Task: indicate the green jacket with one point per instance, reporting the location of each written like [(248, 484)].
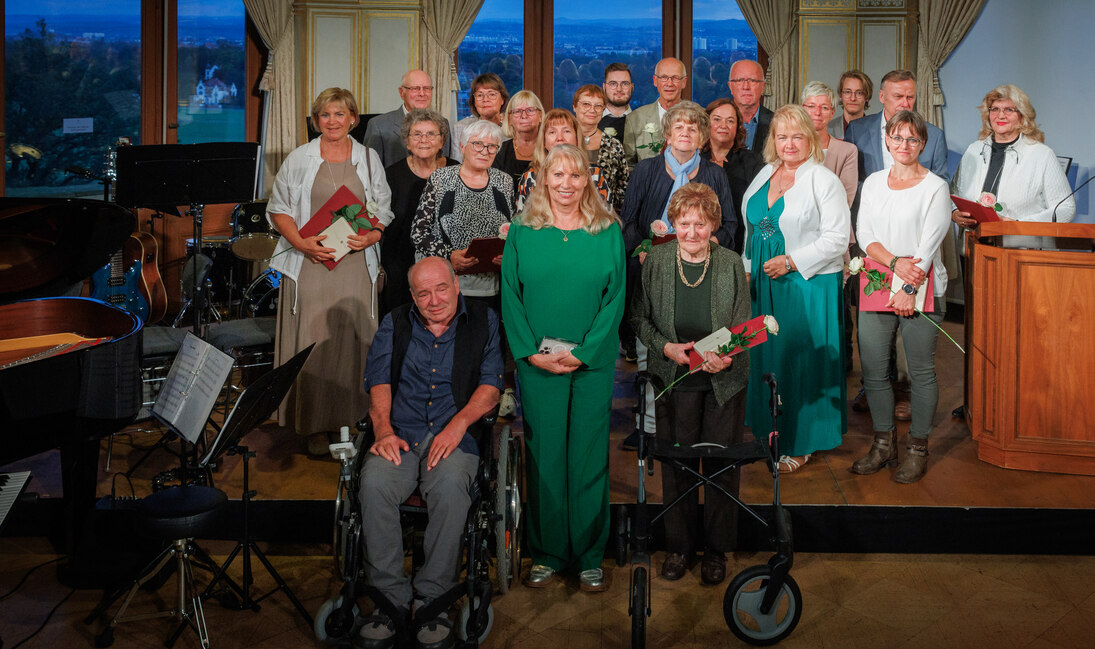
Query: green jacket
[(653, 308)]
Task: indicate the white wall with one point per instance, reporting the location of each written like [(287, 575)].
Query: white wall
[(1047, 48)]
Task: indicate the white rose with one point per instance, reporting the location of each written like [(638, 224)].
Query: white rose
[(610, 132), (659, 228), (371, 207), (771, 325), (650, 128), (855, 265)]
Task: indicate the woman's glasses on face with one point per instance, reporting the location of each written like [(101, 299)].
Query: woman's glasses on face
[(479, 147)]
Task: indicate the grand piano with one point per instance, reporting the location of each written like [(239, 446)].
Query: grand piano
[(69, 366)]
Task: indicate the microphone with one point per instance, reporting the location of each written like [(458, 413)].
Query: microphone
[(1070, 196)]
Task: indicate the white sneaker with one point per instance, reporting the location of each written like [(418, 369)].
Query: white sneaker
[(507, 404)]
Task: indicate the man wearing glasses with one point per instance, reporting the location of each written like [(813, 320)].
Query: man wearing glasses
[(854, 93), (618, 89), (643, 128), (383, 133), (747, 88)]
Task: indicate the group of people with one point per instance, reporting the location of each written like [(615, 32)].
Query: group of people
[(762, 210)]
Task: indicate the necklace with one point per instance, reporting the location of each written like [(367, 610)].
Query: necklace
[(680, 269), (589, 138), (341, 176)]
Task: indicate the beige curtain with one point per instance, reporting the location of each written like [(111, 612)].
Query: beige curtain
[(773, 22), (444, 25), (274, 20), (943, 25)]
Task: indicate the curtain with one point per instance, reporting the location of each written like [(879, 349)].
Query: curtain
[(773, 22), (444, 25), (943, 25), (274, 21)]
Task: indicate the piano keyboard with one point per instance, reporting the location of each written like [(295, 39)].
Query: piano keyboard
[(11, 487)]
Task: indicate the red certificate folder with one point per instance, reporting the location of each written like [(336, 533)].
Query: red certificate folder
[(976, 210), (721, 336), (877, 300), (485, 250), (323, 217), (657, 241)]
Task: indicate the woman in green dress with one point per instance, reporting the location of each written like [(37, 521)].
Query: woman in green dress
[(563, 279), (797, 226)]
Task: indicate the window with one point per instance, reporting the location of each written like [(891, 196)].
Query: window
[(720, 36), (589, 36), (495, 43), (71, 89), (211, 71)]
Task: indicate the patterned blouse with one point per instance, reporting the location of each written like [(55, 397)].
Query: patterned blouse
[(450, 215), (614, 168), (528, 182)]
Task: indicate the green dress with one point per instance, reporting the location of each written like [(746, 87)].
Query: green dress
[(567, 285), (806, 355)]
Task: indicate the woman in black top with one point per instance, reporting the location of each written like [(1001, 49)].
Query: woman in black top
[(424, 132), (727, 149), (522, 125)]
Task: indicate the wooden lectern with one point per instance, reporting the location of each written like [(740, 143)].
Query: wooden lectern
[(1030, 327)]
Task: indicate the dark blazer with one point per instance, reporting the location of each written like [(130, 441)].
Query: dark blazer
[(764, 122), (864, 133), (383, 134)]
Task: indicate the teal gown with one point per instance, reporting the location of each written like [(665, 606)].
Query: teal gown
[(806, 356)]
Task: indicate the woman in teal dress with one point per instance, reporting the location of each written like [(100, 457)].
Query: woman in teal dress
[(563, 278), (797, 226)]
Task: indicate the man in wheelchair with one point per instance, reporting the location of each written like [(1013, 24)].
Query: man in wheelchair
[(434, 369)]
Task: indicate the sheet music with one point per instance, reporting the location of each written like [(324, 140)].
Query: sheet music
[(11, 486), (192, 386)]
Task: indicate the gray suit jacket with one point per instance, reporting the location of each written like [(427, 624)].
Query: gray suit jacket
[(836, 125), (635, 133), (653, 309), (383, 135), (865, 134)]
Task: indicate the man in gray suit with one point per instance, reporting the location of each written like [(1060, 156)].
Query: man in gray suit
[(644, 125), (383, 133)]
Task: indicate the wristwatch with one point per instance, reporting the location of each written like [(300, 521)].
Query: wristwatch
[(909, 288)]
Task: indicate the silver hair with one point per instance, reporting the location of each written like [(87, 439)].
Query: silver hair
[(815, 88), (482, 130)]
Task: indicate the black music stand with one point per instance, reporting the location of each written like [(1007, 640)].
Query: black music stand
[(254, 406), (163, 176)]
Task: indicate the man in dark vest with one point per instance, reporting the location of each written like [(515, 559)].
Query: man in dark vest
[(434, 369)]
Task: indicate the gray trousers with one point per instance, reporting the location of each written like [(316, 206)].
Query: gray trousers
[(918, 336), (447, 489)]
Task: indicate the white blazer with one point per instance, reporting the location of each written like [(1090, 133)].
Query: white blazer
[(816, 223)]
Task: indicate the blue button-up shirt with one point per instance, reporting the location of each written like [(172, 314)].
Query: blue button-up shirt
[(423, 403), (751, 129)]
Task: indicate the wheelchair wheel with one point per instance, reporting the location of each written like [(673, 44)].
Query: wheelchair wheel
[(332, 624), (741, 607), (465, 623), (623, 523), (638, 608), (507, 507), (347, 536)]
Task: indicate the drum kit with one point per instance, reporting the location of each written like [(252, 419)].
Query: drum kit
[(240, 281)]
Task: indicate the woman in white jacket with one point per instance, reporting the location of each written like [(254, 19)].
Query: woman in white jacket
[(336, 309), (797, 226), (1010, 161)]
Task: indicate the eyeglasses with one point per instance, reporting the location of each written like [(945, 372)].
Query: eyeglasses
[(418, 88), (749, 81), (525, 112), (670, 77), (479, 147), (487, 95), (853, 93), (1008, 110), (821, 107), (588, 106), (911, 141), (428, 135), (618, 84)]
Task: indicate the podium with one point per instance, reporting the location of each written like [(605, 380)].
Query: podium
[(1030, 362)]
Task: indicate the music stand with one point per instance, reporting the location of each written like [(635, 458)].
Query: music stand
[(254, 406), (163, 176)]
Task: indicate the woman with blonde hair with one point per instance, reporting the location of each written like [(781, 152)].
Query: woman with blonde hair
[(562, 300), (797, 227), (521, 124), (559, 127)]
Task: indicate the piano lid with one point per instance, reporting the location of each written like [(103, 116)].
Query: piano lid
[(49, 244)]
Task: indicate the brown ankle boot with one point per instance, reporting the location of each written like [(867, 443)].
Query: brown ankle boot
[(915, 463), (883, 453)]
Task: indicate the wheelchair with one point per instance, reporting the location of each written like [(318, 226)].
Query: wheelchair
[(762, 604), (491, 537)]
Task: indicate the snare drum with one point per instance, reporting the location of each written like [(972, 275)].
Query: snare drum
[(254, 238)]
